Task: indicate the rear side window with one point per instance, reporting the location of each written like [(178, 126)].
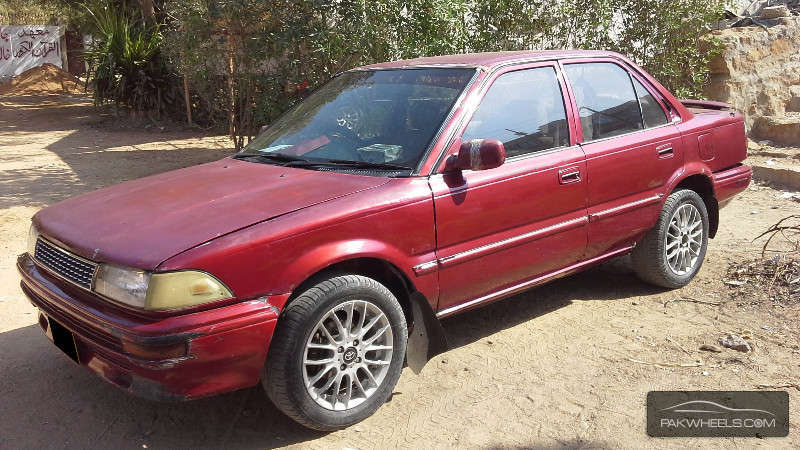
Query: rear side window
[(524, 110), (606, 100), (653, 113)]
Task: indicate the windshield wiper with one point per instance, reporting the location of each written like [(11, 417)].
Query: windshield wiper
[(353, 164), (295, 161), (277, 157)]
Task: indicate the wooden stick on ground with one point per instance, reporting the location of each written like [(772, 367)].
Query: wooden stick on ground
[(666, 364), (779, 386), (692, 300), (679, 346)]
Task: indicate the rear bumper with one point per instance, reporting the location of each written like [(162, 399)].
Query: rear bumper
[(225, 347), (730, 182)]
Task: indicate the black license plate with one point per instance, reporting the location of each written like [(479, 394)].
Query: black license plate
[(64, 339)]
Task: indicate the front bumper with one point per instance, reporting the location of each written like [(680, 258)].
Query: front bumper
[(225, 347)]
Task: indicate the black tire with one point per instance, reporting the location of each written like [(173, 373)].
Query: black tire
[(283, 377), (649, 257)]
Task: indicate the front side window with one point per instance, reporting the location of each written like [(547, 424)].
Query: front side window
[(524, 110), (606, 100), (376, 119)]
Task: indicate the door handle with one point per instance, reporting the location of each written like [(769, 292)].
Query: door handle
[(569, 175), (665, 151)]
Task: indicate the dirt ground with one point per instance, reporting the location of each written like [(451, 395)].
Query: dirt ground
[(549, 368)]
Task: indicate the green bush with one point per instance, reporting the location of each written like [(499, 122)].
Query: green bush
[(125, 66), (246, 61)]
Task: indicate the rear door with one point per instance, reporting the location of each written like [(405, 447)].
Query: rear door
[(632, 150), (500, 228)]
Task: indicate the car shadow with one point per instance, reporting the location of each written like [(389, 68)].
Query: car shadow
[(48, 401), (612, 280), (70, 407)]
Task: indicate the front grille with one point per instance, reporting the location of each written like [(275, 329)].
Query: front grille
[(65, 264)]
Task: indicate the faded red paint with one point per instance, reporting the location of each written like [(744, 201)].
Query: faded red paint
[(456, 237)]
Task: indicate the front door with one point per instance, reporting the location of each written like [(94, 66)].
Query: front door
[(499, 228)]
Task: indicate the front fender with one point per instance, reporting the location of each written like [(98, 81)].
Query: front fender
[(312, 261)]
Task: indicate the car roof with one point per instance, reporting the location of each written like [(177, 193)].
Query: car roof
[(489, 59)]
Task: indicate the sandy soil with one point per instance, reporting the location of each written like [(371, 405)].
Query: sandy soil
[(548, 368), (46, 79)]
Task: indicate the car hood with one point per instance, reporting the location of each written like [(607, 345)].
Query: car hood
[(143, 222)]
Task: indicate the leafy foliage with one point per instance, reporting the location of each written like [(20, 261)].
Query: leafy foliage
[(246, 61), (124, 60), (38, 12)]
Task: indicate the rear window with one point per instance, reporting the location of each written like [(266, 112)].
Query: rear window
[(607, 103), (652, 112)]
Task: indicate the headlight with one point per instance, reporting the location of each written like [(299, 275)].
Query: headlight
[(125, 285), (33, 236), (159, 291)]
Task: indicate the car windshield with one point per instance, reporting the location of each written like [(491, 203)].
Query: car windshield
[(372, 119)]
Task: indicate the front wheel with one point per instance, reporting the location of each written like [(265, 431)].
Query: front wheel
[(671, 253), (337, 352)]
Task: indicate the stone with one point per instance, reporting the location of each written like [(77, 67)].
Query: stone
[(793, 105), (784, 128), (773, 12), (735, 342), (755, 71)]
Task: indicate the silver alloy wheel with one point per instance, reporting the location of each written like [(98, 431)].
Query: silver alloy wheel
[(348, 354), (684, 239)]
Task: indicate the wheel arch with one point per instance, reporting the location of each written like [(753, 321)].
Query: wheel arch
[(703, 185), (378, 269), (426, 336)]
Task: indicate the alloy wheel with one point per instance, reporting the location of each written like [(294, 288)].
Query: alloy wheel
[(348, 354), (684, 239)]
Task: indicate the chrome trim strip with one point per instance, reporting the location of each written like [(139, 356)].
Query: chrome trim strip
[(526, 284), (483, 250), (624, 207), (426, 267)]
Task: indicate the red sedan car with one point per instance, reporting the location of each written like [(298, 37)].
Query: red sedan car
[(320, 258)]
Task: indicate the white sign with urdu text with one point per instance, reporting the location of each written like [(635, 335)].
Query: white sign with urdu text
[(25, 46)]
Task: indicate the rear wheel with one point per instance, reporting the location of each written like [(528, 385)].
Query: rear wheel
[(337, 352), (671, 253)]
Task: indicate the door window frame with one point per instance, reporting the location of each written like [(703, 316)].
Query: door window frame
[(633, 75), (476, 98)]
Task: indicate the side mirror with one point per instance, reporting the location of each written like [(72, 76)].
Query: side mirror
[(478, 154)]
